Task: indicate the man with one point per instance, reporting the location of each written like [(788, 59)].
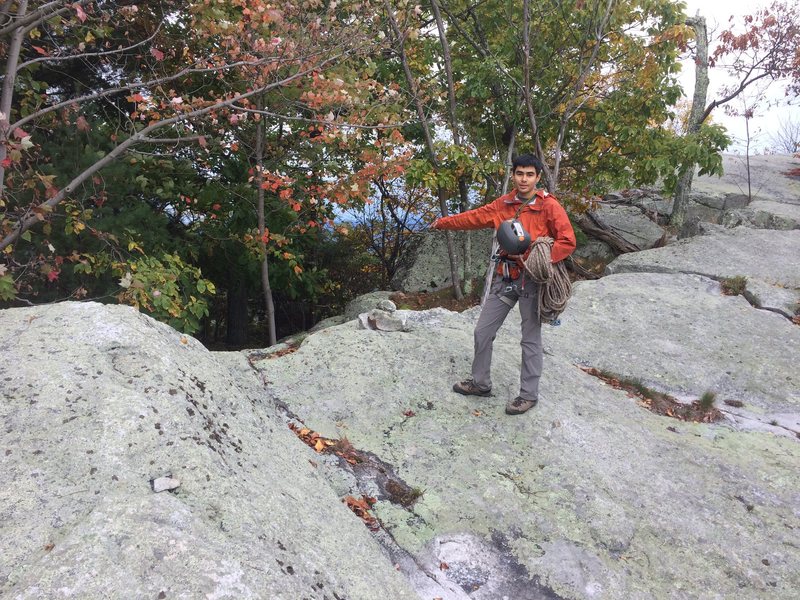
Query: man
[(541, 215)]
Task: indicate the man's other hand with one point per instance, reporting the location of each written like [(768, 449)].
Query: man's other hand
[(435, 224)]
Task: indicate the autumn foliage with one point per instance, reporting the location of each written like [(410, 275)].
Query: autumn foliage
[(195, 159)]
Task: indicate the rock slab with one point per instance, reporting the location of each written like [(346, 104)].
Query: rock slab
[(769, 259), (589, 495), (427, 267), (100, 400)]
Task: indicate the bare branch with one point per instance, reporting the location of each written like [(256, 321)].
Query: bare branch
[(50, 59), (344, 125), (139, 86), (177, 140), (46, 11)]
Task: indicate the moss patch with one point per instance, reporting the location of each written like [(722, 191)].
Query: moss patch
[(700, 411)]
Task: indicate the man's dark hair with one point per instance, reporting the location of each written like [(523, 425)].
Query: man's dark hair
[(527, 160)]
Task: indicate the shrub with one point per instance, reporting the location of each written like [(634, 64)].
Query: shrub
[(734, 286), (707, 400)]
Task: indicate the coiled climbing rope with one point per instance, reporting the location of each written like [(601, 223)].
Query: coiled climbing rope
[(555, 287)]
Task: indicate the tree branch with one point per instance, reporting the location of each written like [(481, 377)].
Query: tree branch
[(30, 20), (142, 136), (87, 54)]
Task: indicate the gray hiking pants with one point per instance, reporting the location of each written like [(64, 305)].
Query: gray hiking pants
[(493, 313)]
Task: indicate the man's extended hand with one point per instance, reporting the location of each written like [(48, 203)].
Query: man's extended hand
[(435, 224)]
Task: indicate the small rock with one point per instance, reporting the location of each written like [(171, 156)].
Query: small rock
[(380, 320), (387, 305), (162, 484)]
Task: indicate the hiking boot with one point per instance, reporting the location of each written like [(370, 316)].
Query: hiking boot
[(519, 405), (469, 388)]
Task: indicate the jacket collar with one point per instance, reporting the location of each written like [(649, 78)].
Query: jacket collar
[(534, 203)]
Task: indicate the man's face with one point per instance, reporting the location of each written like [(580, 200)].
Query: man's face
[(525, 180)]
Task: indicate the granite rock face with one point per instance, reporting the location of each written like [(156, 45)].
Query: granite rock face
[(769, 259), (589, 495), (138, 464), (97, 403), (770, 180), (427, 267), (630, 223)]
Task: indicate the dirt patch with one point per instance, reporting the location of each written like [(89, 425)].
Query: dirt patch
[(391, 487), (699, 411)]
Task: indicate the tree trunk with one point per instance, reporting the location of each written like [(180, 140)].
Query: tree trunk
[(451, 111), (7, 94), (487, 282), (597, 230), (526, 92), (440, 192), (747, 157), (269, 305), (696, 117)]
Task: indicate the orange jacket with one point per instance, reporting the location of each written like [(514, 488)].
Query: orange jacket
[(544, 216)]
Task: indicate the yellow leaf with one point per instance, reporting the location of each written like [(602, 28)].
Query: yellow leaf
[(319, 446)]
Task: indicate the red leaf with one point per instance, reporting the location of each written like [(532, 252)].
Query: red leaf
[(202, 141), (20, 133), (53, 275), (40, 50), (83, 124), (409, 413), (80, 12), (157, 54), (5, 163)]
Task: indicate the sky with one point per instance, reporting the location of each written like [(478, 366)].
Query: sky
[(767, 121)]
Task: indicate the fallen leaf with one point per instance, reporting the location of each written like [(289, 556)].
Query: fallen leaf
[(409, 413), (443, 566), (477, 413)]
